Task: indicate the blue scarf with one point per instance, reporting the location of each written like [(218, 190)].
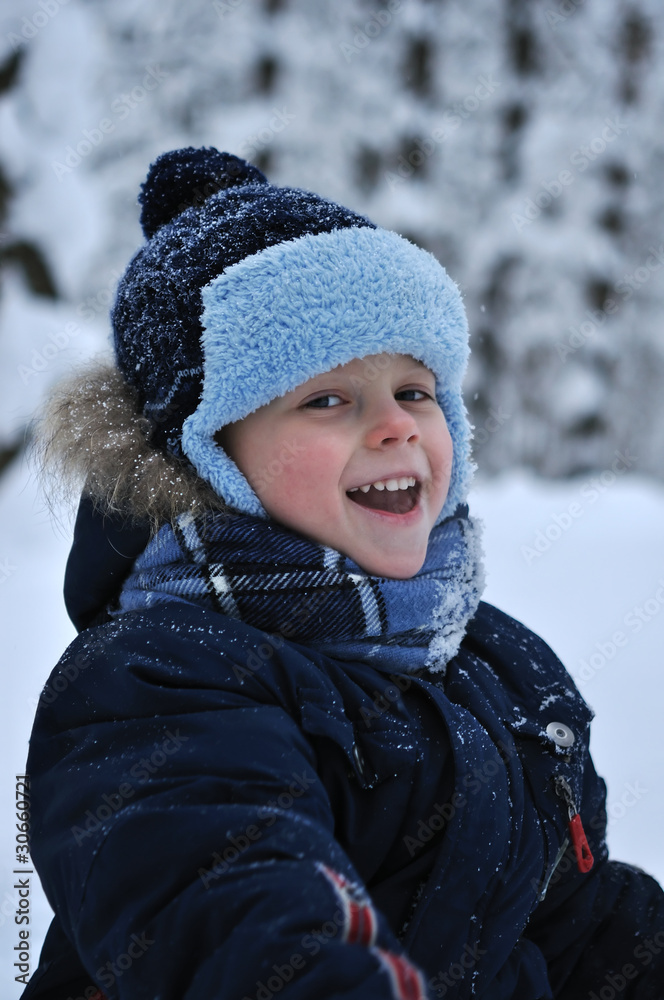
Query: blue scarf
[(283, 583)]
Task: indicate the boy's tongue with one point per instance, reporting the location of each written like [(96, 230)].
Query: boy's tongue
[(391, 501)]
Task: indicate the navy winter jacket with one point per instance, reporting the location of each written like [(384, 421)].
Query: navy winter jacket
[(219, 814)]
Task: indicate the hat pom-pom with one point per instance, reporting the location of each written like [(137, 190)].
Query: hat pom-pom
[(186, 177)]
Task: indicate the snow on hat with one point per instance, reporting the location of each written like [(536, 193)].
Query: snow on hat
[(245, 290)]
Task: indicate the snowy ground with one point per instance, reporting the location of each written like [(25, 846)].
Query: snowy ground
[(576, 561)]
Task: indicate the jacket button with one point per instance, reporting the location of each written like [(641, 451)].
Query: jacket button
[(561, 734)]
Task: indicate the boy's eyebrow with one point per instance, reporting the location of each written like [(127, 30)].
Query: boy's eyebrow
[(421, 367), (324, 380), (414, 366), (420, 370)]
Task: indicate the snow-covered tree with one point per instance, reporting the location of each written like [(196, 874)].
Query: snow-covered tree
[(519, 141)]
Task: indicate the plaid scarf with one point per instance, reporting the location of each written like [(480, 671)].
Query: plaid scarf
[(282, 583)]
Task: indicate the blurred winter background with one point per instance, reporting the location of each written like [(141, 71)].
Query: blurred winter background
[(518, 140)]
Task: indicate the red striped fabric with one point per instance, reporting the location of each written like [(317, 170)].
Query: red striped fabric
[(406, 981)]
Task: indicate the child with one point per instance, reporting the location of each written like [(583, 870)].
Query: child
[(291, 752)]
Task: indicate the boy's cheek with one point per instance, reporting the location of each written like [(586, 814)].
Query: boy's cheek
[(436, 490), (267, 467)]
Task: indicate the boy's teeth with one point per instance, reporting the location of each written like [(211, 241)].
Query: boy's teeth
[(388, 484)]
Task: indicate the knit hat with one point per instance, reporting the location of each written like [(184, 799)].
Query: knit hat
[(245, 290)]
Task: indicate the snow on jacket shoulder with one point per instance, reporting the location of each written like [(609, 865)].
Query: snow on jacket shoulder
[(220, 813)]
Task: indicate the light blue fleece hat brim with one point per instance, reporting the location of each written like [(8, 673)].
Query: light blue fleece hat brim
[(302, 307)]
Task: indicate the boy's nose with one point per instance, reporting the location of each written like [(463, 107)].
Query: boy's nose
[(389, 423)]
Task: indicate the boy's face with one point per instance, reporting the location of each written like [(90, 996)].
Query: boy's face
[(314, 456)]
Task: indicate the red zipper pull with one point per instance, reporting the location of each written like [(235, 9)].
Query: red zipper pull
[(584, 858)]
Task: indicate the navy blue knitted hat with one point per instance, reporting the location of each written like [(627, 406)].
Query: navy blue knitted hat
[(244, 290)]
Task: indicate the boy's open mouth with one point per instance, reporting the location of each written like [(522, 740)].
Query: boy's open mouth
[(394, 496)]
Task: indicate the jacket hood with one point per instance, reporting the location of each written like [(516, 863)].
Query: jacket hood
[(92, 435), (103, 551)]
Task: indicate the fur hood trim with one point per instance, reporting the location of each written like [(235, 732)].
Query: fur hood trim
[(92, 436)]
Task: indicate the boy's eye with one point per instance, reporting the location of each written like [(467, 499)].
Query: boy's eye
[(412, 395), (325, 401)]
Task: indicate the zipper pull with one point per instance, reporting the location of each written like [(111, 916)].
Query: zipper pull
[(584, 858)]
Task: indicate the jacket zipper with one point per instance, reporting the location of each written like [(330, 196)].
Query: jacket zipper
[(584, 858)]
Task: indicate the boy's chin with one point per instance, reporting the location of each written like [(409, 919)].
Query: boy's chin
[(392, 567), (398, 562), (405, 574)]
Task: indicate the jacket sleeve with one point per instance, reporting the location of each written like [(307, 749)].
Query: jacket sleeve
[(186, 842), (602, 932)]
